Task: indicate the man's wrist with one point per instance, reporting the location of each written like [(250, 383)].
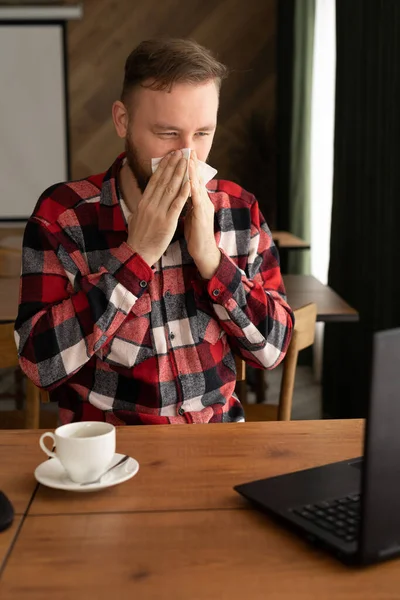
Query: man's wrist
[(146, 258), (208, 264)]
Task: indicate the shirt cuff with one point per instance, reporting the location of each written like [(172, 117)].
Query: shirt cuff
[(130, 269), (225, 282)]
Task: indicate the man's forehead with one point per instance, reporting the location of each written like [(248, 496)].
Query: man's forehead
[(185, 106), (200, 95), (164, 126)]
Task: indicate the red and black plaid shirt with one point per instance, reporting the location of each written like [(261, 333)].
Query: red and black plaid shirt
[(113, 339)]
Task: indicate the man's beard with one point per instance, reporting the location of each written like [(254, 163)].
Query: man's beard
[(141, 175)]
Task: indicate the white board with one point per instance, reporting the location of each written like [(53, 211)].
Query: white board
[(33, 145)]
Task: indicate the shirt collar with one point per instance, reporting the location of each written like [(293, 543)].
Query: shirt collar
[(111, 214)]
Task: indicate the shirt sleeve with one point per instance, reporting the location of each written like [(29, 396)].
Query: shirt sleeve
[(66, 314), (250, 303)]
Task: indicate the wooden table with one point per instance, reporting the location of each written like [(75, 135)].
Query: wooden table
[(178, 530), (303, 289), (19, 457), (288, 241)]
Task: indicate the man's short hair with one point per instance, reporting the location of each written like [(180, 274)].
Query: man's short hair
[(160, 63)]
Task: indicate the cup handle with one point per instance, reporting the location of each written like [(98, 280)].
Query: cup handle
[(44, 447)]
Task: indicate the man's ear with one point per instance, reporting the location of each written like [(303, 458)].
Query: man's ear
[(120, 117)]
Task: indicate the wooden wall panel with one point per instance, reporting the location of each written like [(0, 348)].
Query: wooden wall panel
[(242, 35)]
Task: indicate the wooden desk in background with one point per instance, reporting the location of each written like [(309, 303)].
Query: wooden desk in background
[(287, 241), (10, 234), (12, 242), (11, 237), (177, 529), (9, 294), (301, 289)]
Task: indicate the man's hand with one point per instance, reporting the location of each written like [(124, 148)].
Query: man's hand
[(153, 223), (199, 226)]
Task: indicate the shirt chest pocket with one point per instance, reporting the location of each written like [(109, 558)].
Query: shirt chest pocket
[(208, 328)]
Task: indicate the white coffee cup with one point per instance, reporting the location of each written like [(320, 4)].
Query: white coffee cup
[(84, 449)]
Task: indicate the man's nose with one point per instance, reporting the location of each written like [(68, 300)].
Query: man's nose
[(179, 144), (186, 141)]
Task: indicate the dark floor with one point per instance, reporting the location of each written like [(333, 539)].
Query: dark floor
[(306, 396)]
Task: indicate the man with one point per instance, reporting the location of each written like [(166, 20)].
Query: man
[(134, 296)]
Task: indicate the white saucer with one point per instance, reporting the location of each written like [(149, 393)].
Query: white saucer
[(52, 474)]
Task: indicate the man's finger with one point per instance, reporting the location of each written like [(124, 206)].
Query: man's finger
[(194, 183), (179, 202), (155, 188), (170, 184)]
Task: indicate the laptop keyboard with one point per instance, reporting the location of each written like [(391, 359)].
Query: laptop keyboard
[(341, 517)]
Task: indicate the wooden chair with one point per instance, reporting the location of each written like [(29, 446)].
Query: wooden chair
[(303, 337), (10, 266), (30, 417)]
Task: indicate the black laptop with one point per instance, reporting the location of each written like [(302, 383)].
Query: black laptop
[(350, 508)]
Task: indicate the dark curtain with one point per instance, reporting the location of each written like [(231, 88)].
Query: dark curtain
[(284, 70), (300, 166), (365, 246), (295, 45)]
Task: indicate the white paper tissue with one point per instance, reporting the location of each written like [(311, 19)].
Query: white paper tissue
[(206, 172)]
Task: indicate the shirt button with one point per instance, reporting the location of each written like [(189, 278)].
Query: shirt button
[(215, 293), (143, 284), (171, 336), (167, 294), (181, 411)]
